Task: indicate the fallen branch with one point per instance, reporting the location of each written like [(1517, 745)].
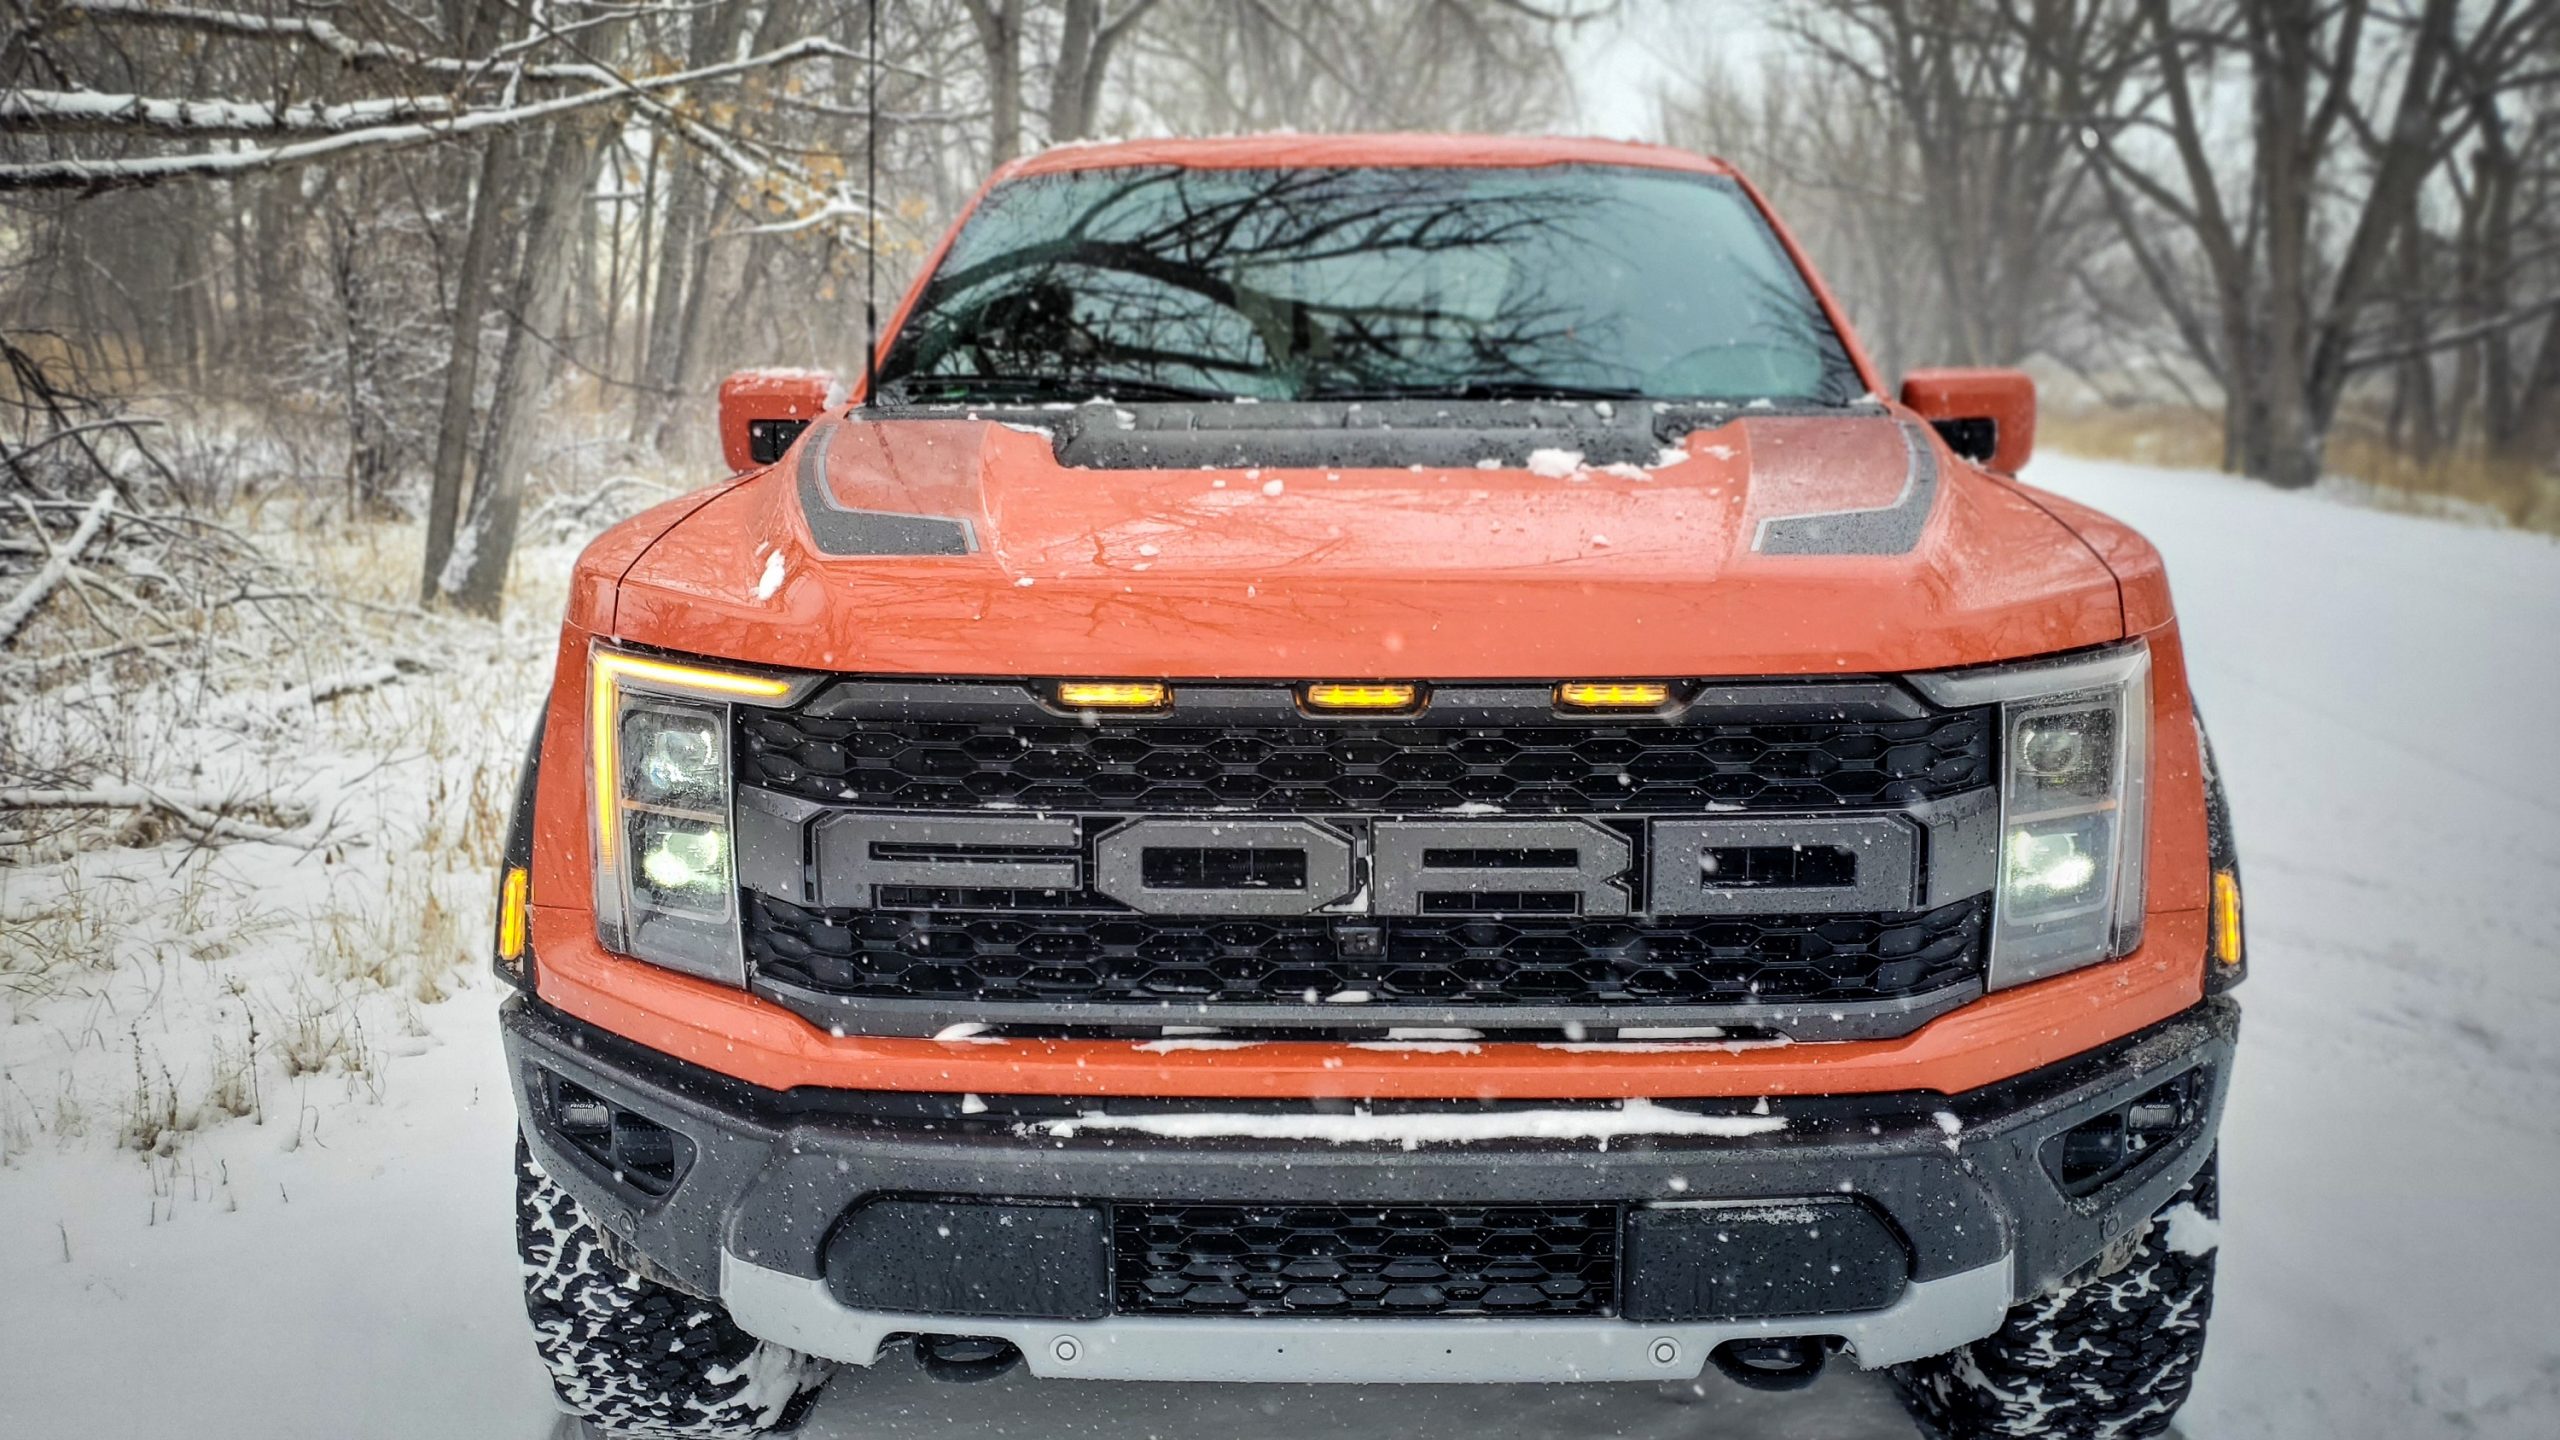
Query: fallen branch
[(29, 596), (93, 654), (198, 809), (68, 431), (372, 677)]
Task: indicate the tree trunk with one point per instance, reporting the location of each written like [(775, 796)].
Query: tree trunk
[(999, 27), (687, 236), (2537, 434), (1086, 39), (2282, 34), (462, 372), (476, 575)]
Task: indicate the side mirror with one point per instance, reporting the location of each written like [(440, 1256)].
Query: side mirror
[(763, 411), (1986, 416)]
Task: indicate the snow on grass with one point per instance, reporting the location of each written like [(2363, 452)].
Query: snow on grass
[(152, 983), (2379, 688), (313, 1236), (252, 1119)]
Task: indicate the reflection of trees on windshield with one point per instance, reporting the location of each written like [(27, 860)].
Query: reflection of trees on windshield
[(1286, 284)]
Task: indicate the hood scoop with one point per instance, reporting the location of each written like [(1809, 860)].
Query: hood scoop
[(898, 525)]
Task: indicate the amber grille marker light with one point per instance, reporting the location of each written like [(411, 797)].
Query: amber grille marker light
[(1612, 694), (2226, 917), (1113, 695), (1333, 696)]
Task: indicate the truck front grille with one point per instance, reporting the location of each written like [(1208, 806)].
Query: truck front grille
[(1582, 767), (1513, 1260), (1802, 857), (1072, 959)]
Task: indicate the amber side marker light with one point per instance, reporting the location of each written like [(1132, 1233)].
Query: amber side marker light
[(511, 914), (1330, 696), (1612, 695), (1113, 695), (2226, 917)]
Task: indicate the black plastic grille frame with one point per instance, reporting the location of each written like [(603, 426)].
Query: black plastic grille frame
[(1516, 1260), (1579, 766), (1457, 961)]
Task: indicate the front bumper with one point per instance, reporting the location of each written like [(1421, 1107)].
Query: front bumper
[(754, 1204)]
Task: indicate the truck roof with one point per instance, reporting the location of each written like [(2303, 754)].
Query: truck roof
[(1238, 152)]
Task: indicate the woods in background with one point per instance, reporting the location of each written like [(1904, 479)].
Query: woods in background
[(394, 238), (403, 229), (2270, 208)]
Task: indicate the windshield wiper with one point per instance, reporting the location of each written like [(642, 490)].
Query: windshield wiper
[(1036, 389)]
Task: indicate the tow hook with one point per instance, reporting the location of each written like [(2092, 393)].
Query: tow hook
[(1789, 1364), (965, 1359)]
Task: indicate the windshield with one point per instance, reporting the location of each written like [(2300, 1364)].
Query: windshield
[(1310, 284)]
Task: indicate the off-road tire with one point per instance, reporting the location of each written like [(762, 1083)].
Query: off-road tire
[(2108, 1359), (631, 1355)]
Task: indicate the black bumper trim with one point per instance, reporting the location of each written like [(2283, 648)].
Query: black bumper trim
[(1959, 1178)]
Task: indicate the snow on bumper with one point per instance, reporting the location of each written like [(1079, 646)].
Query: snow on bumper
[(1967, 1211)]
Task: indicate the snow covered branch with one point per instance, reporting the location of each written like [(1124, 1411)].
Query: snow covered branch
[(109, 174), (207, 814), (56, 566), (319, 34), (90, 112)]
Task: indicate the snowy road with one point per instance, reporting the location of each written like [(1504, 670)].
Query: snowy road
[(2381, 688)]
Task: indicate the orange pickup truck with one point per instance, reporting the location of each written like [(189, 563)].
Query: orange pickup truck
[(1371, 759)]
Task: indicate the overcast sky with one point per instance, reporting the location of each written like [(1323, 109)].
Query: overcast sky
[(1620, 64)]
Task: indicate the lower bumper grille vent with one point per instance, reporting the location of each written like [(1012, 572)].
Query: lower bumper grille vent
[(1516, 1260)]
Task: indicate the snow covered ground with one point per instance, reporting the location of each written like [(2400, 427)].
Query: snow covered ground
[(336, 1261)]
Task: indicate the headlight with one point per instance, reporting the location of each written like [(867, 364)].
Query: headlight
[(2075, 745), (659, 732)]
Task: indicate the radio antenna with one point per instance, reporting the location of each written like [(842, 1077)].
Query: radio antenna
[(871, 225)]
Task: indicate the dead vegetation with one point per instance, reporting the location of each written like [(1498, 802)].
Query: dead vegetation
[(2467, 484), (250, 793)]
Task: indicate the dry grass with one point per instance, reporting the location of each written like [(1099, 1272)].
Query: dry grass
[(2463, 485), (2176, 437), (155, 981)]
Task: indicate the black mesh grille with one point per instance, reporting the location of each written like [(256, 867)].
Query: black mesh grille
[(1521, 960), (1327, 1260), (1405, 769)]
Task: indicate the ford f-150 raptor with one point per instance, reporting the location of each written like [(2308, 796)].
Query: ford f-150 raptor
[(1371, 759)]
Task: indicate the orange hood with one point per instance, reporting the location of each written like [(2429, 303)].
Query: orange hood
[(1769, 545)]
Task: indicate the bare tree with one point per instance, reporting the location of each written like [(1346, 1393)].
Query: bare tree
[(2352, 107), (1090, 32), (1990, 185), (1225, 66), (475, 574), (100, 97)]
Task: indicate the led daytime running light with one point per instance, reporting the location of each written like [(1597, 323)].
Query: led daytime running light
[(607, 669)]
